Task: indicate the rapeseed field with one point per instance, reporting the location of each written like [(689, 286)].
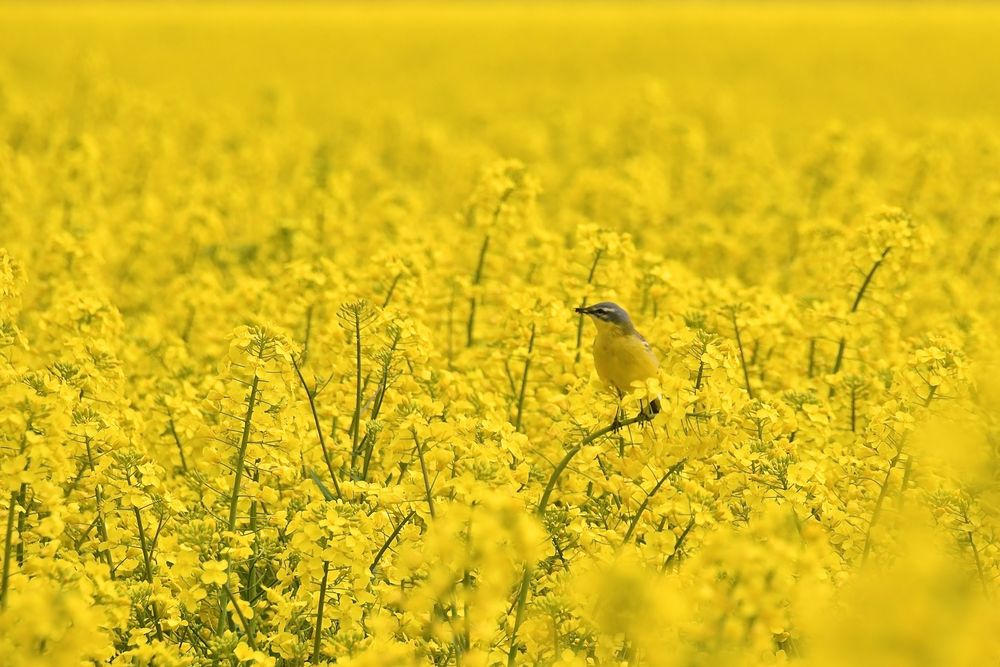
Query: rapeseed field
[(290, 372)]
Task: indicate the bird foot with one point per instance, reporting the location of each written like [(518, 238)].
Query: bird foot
[(617, 423)]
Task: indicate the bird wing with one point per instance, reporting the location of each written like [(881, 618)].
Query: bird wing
[(645, 343)]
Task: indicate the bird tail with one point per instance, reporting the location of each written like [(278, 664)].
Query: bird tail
[(654, 407)]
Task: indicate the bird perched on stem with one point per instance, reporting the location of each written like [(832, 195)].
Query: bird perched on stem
[(621, 355)]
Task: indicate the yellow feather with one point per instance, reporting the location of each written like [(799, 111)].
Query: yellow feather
[(622, 356)]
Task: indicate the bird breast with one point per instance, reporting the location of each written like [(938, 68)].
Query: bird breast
[(623, 358)]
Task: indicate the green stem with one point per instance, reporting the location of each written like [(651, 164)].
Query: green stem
[(243, 619), (308, 333), (244, 440), (21, 518), (477, 278), (642, 508), (319, 429), (930, 395), (356, 421), (319, 611), (177, 440), (148, 568), (678, 544), (854, 408), (8, 539), (907, 469), (384, 380), (423, 471), (743, 359), (188, 325), (451, 330), (979, 564), (237, 482), (147, 557), (522, 599), (854, 307), (358, 391), (524, 379), (522, 595), (544, 501), (389, 540), (379, 399), (102, 528), (883, 491), (392, 288), (369, 450), (253, 574)]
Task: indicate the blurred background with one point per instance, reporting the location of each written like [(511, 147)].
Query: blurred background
[(780, 63)]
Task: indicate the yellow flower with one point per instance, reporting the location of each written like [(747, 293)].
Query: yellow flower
[(244, 653), (190, 597), (214, 572)]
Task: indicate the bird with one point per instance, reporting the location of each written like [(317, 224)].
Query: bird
[(621, 355)]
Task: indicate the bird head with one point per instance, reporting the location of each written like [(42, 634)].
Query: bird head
[(607, 314)]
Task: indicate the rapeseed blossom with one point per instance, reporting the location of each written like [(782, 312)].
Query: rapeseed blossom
[(290, 373)]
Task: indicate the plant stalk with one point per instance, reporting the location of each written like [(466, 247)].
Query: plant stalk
[(854, 307), (423, 471), (524, 379), (244, 440), (477, 278), (319, 611), (543, 502), (8, 539), (642, 507), (319, 429), (743, 359)]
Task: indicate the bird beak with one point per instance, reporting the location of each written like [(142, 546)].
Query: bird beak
[(582, 311)]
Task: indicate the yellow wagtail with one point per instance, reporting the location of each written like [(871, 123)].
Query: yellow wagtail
[(621, 355)]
